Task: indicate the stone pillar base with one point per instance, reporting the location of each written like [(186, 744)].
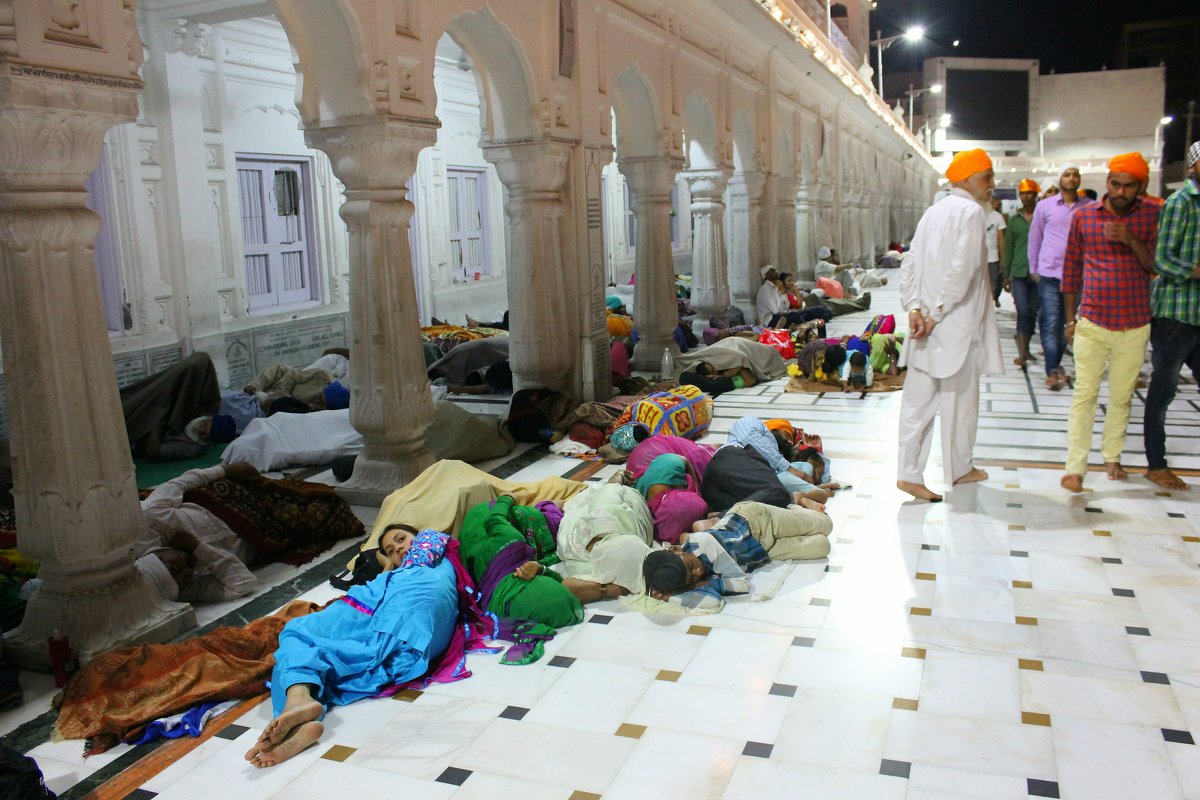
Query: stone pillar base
[(164, 628)]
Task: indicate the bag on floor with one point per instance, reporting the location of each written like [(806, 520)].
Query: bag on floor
[(780, 340), (20, 778), (880, 323)]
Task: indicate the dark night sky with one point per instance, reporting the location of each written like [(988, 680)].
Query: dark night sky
[(1065, 35)]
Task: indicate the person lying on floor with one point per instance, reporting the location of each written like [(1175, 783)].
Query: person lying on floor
[(885, 353), (714, 382), (737, 473), (605, 534), (471, 356), (379, 634), (776, 450), (671, 488), (749, 535), (497, 377), (856, 372), (208, 526), (157, 408), (239, 409)]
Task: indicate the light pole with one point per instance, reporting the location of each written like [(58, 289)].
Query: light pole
[(912, 93), (1162, 123), (1051, 126), (913, 34)]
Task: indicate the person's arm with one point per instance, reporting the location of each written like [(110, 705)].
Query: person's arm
[(1006, 253), (498, 522), (218, 576), (968, 247), (1172, 233), (1036, 226), (870, 373), (1072, 278), (170, 494), (1000, 232), (1143, 251)]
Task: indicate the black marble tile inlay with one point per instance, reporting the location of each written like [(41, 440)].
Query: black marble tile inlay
[(456, 776), (783, 690), (1122, 592), (803, 641), (561, 661), (1019, 553), (1156, 677), (1135, 631), (514, 712), (833, 568), (1179, 737), (1090, 510), (931, 547), (896, 769), (232, 732), (1175, 514), (600, 619), (1110, 560), (1015, 505), (140, 794), (1040, 788), (758, 749), (820, 601)]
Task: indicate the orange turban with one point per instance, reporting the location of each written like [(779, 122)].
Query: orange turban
[(966, 164), (1131, 164), (1028, 186)]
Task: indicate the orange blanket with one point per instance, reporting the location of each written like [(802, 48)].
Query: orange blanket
[(118, 693)]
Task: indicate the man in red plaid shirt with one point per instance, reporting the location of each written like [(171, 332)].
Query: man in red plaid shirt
[(1106, 290)]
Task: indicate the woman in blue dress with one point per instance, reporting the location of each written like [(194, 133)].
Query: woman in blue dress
[(381, 633)]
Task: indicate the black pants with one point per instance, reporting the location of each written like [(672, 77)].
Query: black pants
[(740, 473), (1174, 344)]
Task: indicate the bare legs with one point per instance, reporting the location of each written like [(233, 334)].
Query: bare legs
[(295, 729)]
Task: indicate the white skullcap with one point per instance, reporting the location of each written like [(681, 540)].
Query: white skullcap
[(824, 252)]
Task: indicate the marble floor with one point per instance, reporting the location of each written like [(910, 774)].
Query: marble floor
[(1012, 642)]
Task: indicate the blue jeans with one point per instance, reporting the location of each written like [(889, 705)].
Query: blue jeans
[(1175, 344), (1050, 321), (1025, 296)]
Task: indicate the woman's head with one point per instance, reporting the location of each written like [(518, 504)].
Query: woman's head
[(394, 544), (835, 356)]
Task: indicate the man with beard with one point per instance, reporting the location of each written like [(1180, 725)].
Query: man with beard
[(1107, 270)]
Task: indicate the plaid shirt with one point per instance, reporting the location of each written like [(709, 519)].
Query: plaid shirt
[(1114, 289), (1176, 295)]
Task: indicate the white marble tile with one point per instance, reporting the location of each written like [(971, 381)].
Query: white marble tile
[(485, 786), (492, 682), (926, 782), (971, 686), (324, 779), (981, 599), (769, 779), (238, 780), (973, 745), (829, 669), (580, 760), (1179, 658), (592, 696), (1103, 760), (1078, 648), (1077, 607), (701, 766), (1170, 614), (658, 649), (972, 637), (836, 728), (737, 660), (1068, 573), (1150, 704), (749, 717)]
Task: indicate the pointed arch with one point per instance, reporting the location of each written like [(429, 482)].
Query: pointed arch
[(331, 61), (637, 115), (503, 75), (702, 149)]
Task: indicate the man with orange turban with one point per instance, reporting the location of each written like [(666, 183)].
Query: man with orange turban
[(1016, 269), (1107, 271), (952, 329)]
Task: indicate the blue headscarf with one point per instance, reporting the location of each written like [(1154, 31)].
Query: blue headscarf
[(223, 429), (336, 396), (426, 550), (613, 302)]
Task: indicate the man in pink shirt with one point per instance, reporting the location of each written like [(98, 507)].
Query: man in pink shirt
[(1047, 245)]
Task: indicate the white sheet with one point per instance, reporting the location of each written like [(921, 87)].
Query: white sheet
[(282, 440)]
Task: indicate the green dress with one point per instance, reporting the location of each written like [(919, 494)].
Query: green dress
[(486, 531)]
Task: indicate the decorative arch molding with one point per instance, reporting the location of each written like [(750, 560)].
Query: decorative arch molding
[(333, 82), (510, 109), (745, 154), (703, 149), (637, 115)]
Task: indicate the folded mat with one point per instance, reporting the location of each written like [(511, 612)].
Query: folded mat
[(880, 383)]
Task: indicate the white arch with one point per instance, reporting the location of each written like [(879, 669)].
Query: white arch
[(503, 74), (702, 150), (745, 156), (331, 67), (637, 115)]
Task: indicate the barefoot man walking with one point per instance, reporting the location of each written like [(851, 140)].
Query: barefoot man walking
[(952, 329)]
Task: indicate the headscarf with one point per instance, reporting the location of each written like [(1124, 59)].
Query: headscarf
[(664, 571), (674, 512), (669, 469), (336, 396), (613, 302), (1028, 185), (1131, 164), (966, 164), (625, 437), (824, 253), (1193, 154), (223, 430), (764, 269), (426, 549)]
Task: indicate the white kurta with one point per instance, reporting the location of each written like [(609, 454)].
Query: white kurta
[(946, 277)]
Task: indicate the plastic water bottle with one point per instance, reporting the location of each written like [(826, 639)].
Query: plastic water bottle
[(667, 367)]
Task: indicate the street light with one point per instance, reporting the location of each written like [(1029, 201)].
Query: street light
[(1162, 123), (913, 34), (1051, 126), (935, 89)]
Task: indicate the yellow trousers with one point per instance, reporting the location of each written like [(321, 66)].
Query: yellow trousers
[(1123, 353)]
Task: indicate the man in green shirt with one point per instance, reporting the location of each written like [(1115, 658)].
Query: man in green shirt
[(1015, 264), (1175, 315)]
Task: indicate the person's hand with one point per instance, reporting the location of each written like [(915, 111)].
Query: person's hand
[(832, 486), (528, 571), (657, 595), (1008, 286), (1117, 232), (930, 322), (181, 540), (509, 495), (845, 386), (241, 471), (1070, 332), (1033, 277)]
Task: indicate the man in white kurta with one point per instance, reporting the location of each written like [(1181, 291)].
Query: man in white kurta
[(953, 337)]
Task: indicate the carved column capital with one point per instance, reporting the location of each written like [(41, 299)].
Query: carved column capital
[(650, 177), (373, 155), (706, 185), (530, 167)]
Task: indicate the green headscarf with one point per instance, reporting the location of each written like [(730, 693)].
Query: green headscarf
[(669, 469)]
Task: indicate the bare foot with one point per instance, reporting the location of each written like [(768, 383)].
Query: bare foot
[(1072, 482), (1115, 471), (1165, 478), (974, 476), (300, 708), (812, 504), (472, 323), (919, 491), (300, 739)]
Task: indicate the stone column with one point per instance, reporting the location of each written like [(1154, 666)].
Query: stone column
[(807, 261), (541, 351), (654, 308), (390, 402), (784, 212), (743, 277), (710, 278), (76, 498)]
